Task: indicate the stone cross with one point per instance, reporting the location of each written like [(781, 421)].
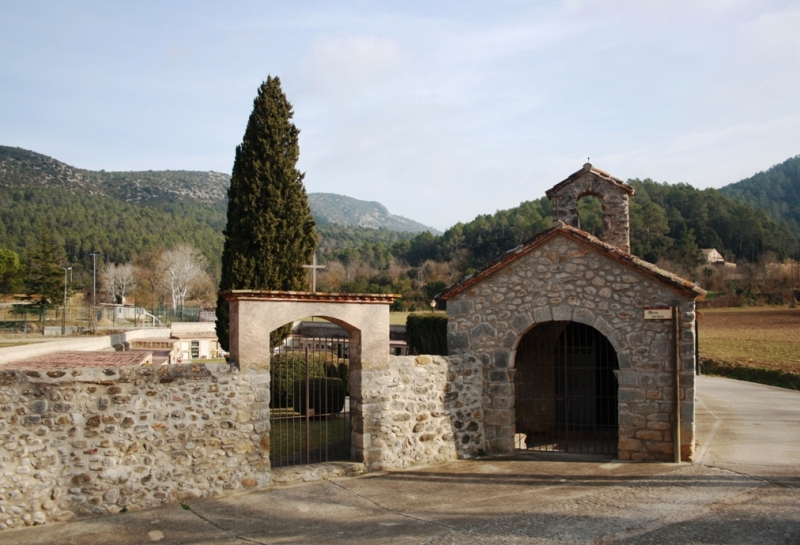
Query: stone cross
[(314, 268)]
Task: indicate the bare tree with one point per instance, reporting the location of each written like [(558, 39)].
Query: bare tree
[(118, 280), (332, 277), (149, 270), (183, 267), (396, 270)]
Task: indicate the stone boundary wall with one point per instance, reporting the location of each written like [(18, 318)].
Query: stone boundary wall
[(82, 344), (96, 441), (423, 410)]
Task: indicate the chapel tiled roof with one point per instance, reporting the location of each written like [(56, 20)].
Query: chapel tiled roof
[(582, 237), (602, 174)]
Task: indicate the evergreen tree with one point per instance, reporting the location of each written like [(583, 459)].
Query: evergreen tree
[(45, 261), (270, 231), (11, 271)]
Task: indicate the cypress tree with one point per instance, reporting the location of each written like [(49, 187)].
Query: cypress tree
[(270, 231), (45, 273)]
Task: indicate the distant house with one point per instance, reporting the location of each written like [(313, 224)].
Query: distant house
[(713, 257)]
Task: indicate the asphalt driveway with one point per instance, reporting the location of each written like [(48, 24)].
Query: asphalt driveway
[(745, 488)]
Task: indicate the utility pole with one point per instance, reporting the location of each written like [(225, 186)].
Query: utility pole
[(792, 303), (94, 291), (64, 312)]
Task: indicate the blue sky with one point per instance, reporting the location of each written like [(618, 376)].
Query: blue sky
[(439, 110)]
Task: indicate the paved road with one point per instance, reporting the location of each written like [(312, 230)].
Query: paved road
[(749, 428), (745, 491)]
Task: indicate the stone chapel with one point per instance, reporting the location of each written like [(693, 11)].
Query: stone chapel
[(585, 348)]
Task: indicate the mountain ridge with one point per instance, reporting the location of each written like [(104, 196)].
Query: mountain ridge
[(339, 209), (20, 168), (775, 190)]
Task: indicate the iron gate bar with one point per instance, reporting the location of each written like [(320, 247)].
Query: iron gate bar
[(565, 390), (308, 410), (320, 421)]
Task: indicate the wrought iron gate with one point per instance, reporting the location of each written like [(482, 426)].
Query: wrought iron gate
[(566, 390), (310, 413)]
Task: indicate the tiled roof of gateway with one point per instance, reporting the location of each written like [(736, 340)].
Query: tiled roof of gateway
[(314, 297), (582, 237), (597, 172)]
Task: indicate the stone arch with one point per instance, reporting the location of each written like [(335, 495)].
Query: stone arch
[(566, 389), (566, 313), (254, 314), (354, 333)]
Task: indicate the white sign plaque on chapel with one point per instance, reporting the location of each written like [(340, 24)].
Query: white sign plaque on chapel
[(657, 313)]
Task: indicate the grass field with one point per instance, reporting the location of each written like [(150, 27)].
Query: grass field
[(763, 337), (288, 436)]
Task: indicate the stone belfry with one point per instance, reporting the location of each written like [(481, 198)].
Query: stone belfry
[(613, 192)]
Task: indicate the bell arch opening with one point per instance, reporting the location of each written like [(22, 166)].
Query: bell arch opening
[(591, 215), (565, 390)]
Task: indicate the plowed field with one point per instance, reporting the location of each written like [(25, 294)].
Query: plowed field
[(766, 337)]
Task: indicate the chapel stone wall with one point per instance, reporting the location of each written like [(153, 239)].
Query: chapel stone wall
[(563, 280)]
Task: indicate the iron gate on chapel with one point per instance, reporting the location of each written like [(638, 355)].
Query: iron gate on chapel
[(566, 390), (309, 402)]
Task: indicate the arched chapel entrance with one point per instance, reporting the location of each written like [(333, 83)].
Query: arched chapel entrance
[(566, 390)]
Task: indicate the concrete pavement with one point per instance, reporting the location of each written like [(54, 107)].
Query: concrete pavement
[(744, 491), (749, 428)]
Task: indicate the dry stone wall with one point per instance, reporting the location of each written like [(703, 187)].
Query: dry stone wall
[(563, 280), (423, 410), (95, 441)]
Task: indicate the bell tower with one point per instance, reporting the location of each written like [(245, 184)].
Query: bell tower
[(614, 194)]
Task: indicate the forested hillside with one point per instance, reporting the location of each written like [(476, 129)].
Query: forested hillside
[(129, 215), (123, 214), (120, 214), (667, 222), (776, 190)]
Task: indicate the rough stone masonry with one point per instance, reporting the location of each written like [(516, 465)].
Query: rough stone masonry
[(563, 281), (566, 275), (423, 410), (91, 441), (94, 441)]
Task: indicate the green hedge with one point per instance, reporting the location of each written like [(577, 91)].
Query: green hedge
[(770, 377), (288, 367), (426, 333), (326, 396)]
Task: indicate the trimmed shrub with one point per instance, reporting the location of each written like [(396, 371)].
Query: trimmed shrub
[(426, 333), (326, 396), (340, 370), (287, 367)]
